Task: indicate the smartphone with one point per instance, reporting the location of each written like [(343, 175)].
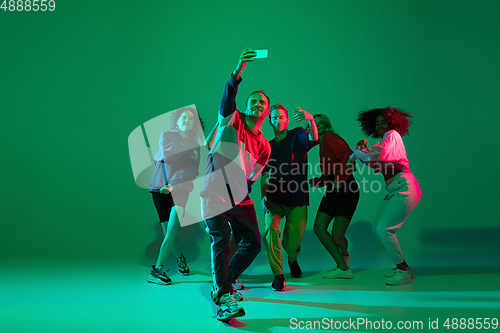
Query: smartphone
[(261, 54)]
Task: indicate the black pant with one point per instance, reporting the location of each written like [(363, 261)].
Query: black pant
[(245, 228), (165, 202)]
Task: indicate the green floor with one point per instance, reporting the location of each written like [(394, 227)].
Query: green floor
[(99, 297)]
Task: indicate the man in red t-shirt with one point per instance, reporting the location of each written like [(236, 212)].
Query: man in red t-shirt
[(238, 154)]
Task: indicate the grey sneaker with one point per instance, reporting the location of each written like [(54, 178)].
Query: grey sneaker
[(229, 308), (158, 276), (182, 267)]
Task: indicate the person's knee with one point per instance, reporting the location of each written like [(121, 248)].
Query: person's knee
[(267, 231), (255, 246), (273, 222), (338, 238), (291, 248), (273, 227), (286, 244), (266, 238), (380, 230), (271, 230), (216, 230)]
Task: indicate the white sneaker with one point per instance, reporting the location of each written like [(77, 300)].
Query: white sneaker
[(390, 272), (399, 277), (337, 273)]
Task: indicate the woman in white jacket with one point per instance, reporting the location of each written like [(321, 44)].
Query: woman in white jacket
[(389, 158)]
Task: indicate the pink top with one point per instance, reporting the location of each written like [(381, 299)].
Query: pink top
[(388, 154)]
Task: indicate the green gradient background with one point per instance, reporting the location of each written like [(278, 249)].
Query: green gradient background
[(75, 82)]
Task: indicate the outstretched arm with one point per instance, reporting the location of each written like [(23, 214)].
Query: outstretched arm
[(227, 103)]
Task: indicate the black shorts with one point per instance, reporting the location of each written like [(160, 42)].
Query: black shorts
[(341, 201), (165, 202)]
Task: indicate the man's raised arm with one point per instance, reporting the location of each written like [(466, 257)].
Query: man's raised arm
[(227, 103)]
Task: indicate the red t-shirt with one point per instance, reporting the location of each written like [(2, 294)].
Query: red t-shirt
[(334, 153)]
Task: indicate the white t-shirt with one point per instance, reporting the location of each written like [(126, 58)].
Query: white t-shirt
[(390, 153)]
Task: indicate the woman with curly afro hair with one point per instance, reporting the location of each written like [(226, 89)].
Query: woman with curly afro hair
[(389, 159)]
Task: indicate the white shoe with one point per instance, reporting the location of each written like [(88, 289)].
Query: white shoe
[(337, 273), (399, 277), (390, 272)]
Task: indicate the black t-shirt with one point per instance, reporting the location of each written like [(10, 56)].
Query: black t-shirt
[(288, 169)]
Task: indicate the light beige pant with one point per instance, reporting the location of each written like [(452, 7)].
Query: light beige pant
[(295, 225), (403, 196)]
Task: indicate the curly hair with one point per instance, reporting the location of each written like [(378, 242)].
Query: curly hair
[(196, 131), (396, 119)]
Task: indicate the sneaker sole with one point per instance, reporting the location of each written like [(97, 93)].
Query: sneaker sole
[(398, 284), (240, 313), (388, 275), (158, 281), (284, 287), (184, 274), (337, 277)]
